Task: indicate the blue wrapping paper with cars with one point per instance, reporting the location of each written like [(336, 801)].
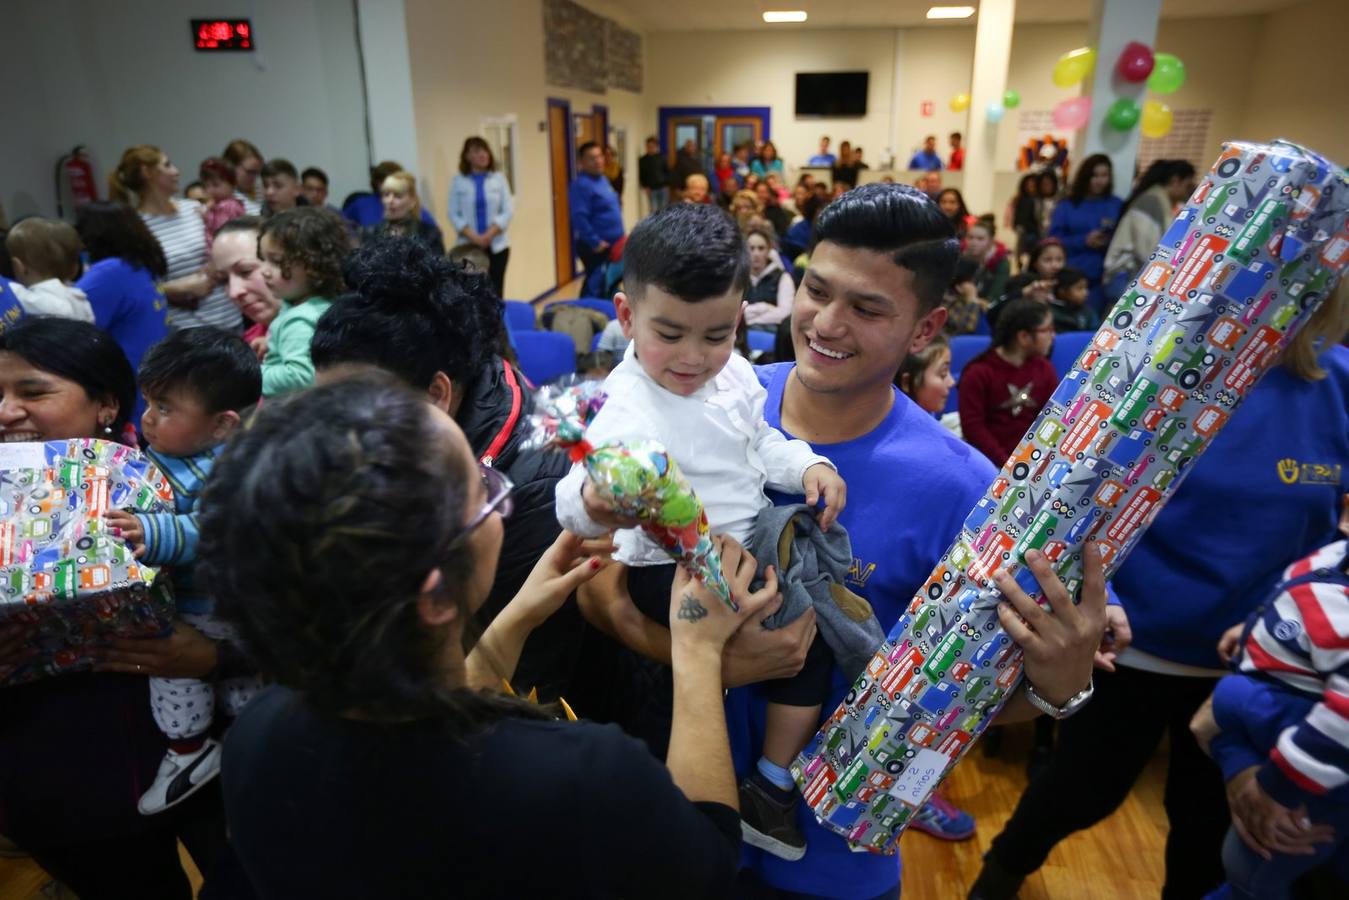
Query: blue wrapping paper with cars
[(62, 574), (1241, 269)]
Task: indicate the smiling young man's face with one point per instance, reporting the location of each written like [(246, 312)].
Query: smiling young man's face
[(680, 345), (855, 318)]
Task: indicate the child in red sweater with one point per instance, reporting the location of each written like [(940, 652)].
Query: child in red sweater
[(1001, 390)]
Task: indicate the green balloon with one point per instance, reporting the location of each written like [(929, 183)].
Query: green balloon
[(1011, 99), (1122, 115), (1168, 73)]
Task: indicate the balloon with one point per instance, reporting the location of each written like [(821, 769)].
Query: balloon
[(1073, 66), (1011, 99), (1122, 114), (1072, 113), (960, 102), (1156, 119), (1167, 75), (1135, 62), (995, 112)]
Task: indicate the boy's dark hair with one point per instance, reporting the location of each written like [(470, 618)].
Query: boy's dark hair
[(49, 248), (1067, 277), (215, 168), (76, 351), (414, 313), (114, 230), (901, 222), (691, 250), (956, 134), (212, 365), (585, 148), (315, 172), (316, 238), (966, 270), (279, 166), (1021, 314)]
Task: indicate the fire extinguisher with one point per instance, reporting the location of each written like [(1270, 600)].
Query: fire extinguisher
[(75, 178)]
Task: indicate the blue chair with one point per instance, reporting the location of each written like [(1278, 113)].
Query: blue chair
[(545, 355), (601, 306), (1068, 346), (964, 347), (760, 341), (983, 327), (520, 315)]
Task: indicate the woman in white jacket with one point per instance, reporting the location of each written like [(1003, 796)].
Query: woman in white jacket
[(1143, 218), (481, 208)]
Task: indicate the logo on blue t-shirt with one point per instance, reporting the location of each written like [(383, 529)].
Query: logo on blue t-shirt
[(1292, 471)]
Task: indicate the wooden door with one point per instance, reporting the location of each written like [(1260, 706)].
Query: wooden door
[(684, 128), (734, 130), (561, 150)]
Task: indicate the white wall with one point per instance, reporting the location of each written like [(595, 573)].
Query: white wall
[(476, 61), (111, 75)]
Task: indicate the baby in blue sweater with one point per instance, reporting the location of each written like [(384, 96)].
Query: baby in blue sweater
[(197, 383)]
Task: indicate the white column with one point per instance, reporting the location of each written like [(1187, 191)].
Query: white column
[(1115, 23), (897, 94), (388, 82), (988, 81)]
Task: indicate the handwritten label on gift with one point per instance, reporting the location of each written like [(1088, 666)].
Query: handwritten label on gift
[(917, 780)]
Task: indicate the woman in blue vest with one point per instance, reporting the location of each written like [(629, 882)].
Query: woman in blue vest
[(1085, 220), (481, 208)]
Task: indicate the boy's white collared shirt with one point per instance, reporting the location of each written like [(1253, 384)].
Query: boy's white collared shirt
[(718, 437)]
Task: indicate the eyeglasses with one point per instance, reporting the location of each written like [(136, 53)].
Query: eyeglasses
[(499, 500)]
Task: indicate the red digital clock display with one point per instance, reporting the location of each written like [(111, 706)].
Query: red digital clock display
[(222, 34)]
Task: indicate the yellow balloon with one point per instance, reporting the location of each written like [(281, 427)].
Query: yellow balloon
[(1073, 66), (960, 102), (1156, 119)]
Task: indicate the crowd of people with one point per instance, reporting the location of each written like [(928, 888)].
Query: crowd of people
[(374, 559)]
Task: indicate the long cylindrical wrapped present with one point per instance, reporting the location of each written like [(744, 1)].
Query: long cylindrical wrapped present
[(641, 480), (1262, 240), (61, 573)]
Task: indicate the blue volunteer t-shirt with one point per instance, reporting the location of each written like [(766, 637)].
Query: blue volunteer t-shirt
[(129, 306), (1266, 494), (10, 309), (910, 485)]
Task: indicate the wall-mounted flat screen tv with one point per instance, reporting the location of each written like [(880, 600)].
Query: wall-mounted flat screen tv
[(833, 94)]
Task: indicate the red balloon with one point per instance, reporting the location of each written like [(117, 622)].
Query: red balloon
[(1135, 62)]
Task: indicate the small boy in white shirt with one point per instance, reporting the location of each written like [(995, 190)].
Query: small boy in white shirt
[(46, 256), (681, 383)]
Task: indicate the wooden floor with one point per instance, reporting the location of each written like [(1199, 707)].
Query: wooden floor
[(1120, 859)]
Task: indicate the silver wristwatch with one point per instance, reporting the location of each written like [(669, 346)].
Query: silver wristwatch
[(1072, 706)]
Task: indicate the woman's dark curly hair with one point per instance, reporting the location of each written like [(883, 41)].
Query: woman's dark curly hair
[(114, 230), (319, 525), (414, 313), (316, 238)]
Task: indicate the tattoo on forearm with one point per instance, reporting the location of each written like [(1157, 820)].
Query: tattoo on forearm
[(690, 610)]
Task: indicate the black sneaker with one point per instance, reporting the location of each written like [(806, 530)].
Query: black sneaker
[(995, 882), (768, 818)]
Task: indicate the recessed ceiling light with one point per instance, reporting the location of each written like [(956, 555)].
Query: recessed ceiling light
[(785, 15), (950, 12)]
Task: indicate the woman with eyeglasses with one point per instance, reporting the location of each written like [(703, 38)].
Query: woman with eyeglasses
[(350, 534)]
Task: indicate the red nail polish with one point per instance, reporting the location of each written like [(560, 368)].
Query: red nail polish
[(595, 563)]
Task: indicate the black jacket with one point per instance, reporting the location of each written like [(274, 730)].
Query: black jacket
[(495, 417), (653, 171)]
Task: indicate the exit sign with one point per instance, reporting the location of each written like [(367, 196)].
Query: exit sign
[(222, 34)]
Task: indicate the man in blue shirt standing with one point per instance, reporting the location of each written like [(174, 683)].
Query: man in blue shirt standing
[(596, 216), (927, 158), (883, 254), (824, 157)]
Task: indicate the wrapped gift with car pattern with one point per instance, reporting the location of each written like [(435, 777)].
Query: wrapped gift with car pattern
[(1244, 265), (62, 574)]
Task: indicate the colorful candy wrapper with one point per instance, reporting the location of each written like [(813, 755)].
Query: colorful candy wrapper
[(61, 573), (1247, 261), (641, 479)]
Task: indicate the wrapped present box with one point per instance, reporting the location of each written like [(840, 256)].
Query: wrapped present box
[(61, 572), (1247, 261)]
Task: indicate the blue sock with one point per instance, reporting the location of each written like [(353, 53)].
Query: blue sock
[(776, 775)]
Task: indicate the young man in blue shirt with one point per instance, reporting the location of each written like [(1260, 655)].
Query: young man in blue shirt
[(824, 157), (927, 158), (596, 216), (882, 257)]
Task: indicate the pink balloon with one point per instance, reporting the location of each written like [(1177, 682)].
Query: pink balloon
[(1135, 62), (1073, 113)]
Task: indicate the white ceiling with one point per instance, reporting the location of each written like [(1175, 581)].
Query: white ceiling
[(722, 15)]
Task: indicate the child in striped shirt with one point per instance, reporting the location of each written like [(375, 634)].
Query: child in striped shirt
[(1279, 728), (197, 383)]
